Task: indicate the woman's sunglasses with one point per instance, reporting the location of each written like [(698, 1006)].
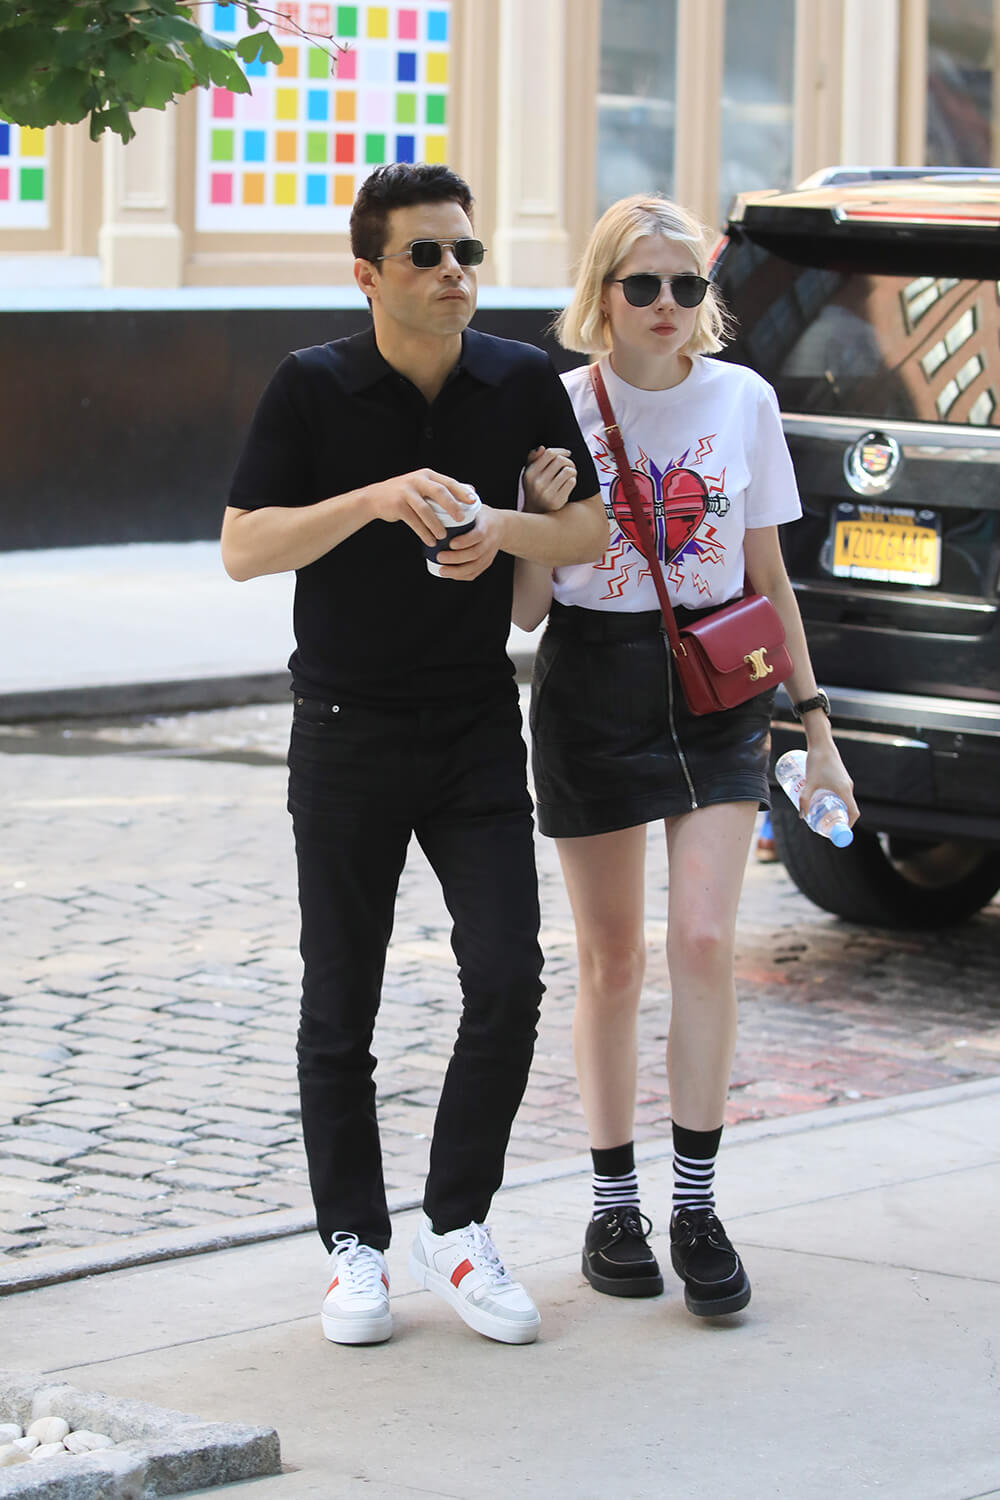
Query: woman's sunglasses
[(425, 254), (642, 289)]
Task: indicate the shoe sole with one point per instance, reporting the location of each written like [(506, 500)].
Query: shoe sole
[(341, 1331), (718, 1307), (615, 1286), (476, 1318)]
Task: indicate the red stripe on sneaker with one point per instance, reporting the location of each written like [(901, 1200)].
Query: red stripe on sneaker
[(460, 1272), (385, 1281), (333, 1283)]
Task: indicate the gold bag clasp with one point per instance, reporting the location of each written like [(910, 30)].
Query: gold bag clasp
[(758, 666)]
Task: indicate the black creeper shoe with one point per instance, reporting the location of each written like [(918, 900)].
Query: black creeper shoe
[(700, 1252), (616, 1258)]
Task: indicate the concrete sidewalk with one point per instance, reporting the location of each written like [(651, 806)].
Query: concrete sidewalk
[(147, 627), (865, 1364)]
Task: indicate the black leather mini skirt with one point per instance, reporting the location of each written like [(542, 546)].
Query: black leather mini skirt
[(613, 741)]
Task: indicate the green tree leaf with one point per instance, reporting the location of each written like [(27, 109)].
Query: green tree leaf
[(248, 48), (61, 60), (270, 51), (67, 95), (114, 118), (22, 53), (171, 29), (165, 80)]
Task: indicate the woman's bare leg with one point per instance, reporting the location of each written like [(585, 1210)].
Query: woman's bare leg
[(707, 851), (605, 878)]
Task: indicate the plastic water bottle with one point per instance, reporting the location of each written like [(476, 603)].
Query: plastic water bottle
[(827, 813)]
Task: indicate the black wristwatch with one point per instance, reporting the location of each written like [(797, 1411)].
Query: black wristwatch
[(819, 701)]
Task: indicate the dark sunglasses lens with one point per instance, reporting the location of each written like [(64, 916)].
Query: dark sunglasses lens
[(469, 252), (688, 291), (425, 253), (640, 290)]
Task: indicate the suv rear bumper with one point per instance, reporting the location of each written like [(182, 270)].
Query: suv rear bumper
[(922, 766)]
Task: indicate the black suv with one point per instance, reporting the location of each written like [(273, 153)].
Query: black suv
[(870, 300)]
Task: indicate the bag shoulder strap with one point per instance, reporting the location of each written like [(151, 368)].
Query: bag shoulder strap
[(613, 433)]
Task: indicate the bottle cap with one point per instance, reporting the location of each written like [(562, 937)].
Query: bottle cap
[(841, 836)]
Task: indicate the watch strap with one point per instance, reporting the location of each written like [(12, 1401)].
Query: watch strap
[(820, 700)]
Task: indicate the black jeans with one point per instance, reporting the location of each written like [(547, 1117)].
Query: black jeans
[(361, 780)]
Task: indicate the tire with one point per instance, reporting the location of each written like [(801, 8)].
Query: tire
[(887, 882)]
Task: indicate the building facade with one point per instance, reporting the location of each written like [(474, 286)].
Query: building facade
[(550, 108)]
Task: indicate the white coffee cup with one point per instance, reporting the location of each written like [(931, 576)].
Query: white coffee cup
[(454, 528)]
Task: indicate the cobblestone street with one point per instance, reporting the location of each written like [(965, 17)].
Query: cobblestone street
[(149, 986)]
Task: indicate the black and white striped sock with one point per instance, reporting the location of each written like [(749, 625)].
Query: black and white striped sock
[(616, 1184), (694, 1167)]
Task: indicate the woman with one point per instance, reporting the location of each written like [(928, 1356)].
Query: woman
[(615, 746)]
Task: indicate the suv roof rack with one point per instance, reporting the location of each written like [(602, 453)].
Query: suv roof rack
[(840, 176)]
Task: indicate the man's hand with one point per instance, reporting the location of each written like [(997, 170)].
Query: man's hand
[(549, 477), (474, 551), (405, 498)]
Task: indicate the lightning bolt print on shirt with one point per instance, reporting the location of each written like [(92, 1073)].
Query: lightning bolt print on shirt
[(709, 461)]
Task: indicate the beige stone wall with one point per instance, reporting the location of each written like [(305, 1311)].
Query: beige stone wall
[(524, 80), (74, 200), (523, 84)]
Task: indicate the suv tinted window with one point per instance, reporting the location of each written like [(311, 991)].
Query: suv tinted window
[(868, 343)]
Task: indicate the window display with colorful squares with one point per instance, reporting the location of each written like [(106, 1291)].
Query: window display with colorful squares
[(291, 155), (24, 178)]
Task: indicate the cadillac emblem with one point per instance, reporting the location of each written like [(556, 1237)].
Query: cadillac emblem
[(871, 465)]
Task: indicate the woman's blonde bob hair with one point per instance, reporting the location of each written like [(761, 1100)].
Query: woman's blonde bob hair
[(582, 325)]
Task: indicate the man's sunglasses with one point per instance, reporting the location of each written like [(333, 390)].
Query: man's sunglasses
[(426, 254), (642, 289)]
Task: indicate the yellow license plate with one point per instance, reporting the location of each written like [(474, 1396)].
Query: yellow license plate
[(889, 545)]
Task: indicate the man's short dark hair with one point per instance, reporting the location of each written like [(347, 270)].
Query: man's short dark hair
[(400, 185)]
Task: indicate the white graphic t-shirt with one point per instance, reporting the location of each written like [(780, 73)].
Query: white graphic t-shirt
[(710, 461)]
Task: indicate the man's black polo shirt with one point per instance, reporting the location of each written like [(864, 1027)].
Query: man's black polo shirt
[(371, 623)]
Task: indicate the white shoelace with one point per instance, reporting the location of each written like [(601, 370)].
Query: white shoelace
[(482, 1251), (357, 1265)]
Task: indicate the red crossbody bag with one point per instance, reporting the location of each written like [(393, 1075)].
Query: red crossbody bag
[(726, 657)]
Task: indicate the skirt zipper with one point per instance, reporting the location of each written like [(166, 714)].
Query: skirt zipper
[(673, 726)]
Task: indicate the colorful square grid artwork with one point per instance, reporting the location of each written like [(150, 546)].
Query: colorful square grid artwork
[(292, 155), (24, 177)]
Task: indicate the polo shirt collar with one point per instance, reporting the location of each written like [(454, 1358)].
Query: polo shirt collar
[(364, 365), (367, 365), (477, 357)]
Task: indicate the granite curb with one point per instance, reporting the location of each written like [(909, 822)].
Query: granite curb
[(157, 1452), (181, 695), (177, 1244)]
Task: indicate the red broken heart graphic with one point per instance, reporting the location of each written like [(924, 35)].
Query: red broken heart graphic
[(678, 513)]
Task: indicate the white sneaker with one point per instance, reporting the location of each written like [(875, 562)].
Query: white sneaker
[(356, 1306), (464, 1268)]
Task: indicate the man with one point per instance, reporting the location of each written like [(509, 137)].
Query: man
[(405, 716)]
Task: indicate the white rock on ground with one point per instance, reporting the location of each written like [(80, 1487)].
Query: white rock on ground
[(49, 1429), (8, 1432), (11, 1455), (83, 1441), (48, 1450), (27, 1444)]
